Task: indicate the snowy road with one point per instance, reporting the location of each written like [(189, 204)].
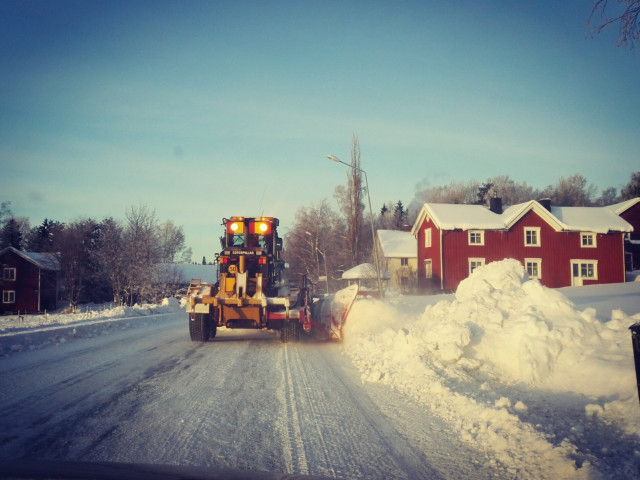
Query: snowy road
[(244, 401)]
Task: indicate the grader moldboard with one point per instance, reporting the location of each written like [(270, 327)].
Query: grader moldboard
[(249, 292)]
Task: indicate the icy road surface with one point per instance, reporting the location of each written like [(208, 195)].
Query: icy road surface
[(244, 401)]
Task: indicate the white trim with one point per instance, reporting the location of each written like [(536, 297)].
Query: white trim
[(538, 263), (474, 233), (584, 272), (427, 238), (6, 277), (8, 296), (430, 262), (479, 261), (537, 232), (590, 235)]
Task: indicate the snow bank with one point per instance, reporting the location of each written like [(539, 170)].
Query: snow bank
[(30, 332), (503, 348)]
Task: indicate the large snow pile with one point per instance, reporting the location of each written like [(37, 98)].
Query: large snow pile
[(547, 390)]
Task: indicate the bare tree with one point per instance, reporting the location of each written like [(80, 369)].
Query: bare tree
[(317, 240), (141, 253), (351, 201), (110, 256), (74, 248), (631, 189), (573, 191), (625, 12), (171, 241)]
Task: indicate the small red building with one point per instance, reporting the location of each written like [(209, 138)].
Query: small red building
[(560, 246), (29, 281)]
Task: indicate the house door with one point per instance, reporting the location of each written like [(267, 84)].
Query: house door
[(583, 269), (576, 279)]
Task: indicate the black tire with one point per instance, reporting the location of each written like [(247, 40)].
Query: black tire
[(199, 327), (289, 332)]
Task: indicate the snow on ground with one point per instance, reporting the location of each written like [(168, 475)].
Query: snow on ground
[(31, 332), (541, 380), (544, 386)]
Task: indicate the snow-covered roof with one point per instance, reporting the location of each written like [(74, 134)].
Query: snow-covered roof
[(395, 243), (621, 207), (45, 261), (364, 270), (472, 217)]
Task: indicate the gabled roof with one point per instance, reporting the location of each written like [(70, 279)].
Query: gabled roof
[(479, 217), (397, 244), (622, 207), (45, 261)]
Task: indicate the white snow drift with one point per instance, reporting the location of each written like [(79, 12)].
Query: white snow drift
[(516, 367)]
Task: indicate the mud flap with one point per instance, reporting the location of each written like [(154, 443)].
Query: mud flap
[(330, 313)]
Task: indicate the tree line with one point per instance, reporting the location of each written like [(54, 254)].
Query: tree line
[(108, 260)]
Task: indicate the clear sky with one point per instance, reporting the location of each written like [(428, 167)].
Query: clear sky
[(204, 110)]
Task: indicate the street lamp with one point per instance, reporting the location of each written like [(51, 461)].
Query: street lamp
[(333, 158)]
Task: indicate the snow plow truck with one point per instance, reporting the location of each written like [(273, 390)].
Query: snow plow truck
[(249, 291)]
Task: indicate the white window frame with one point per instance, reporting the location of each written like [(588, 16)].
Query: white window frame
[(8, 296), (475, 263), (588, 236), (427, 238), (476, 235), (9, 274), (583, 267), (428, 272), (535, 230), (533, 261)]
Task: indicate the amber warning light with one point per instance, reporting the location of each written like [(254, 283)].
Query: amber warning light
[(263, 228), (235, 227)]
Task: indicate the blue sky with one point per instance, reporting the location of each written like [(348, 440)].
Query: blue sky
[(204, 110)]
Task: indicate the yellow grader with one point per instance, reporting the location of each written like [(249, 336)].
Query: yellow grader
[(249, 292)]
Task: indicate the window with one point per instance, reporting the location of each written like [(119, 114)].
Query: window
[(8, 273), (404, 262), (532, 236), (585, 269), (476, 237), (427, 237), (475, 263), (534, 267), (588, 240), (8, 296), (428, 268)]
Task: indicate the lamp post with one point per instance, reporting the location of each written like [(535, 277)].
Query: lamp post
[(333, 158)]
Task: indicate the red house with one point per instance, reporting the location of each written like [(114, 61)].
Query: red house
[(29, 281), (560, 246), (630, 211)]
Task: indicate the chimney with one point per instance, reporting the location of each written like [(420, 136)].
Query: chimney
[(546, 203), (495, 205)]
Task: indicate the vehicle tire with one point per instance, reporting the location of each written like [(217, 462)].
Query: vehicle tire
[(289, 332), (199, 327)]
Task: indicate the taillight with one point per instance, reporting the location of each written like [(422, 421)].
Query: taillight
[(224, 259), (262, 260)]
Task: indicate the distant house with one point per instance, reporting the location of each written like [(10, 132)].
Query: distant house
[(398, 254), (29, 281), (364, 275), (630, 211), (560, 246)]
